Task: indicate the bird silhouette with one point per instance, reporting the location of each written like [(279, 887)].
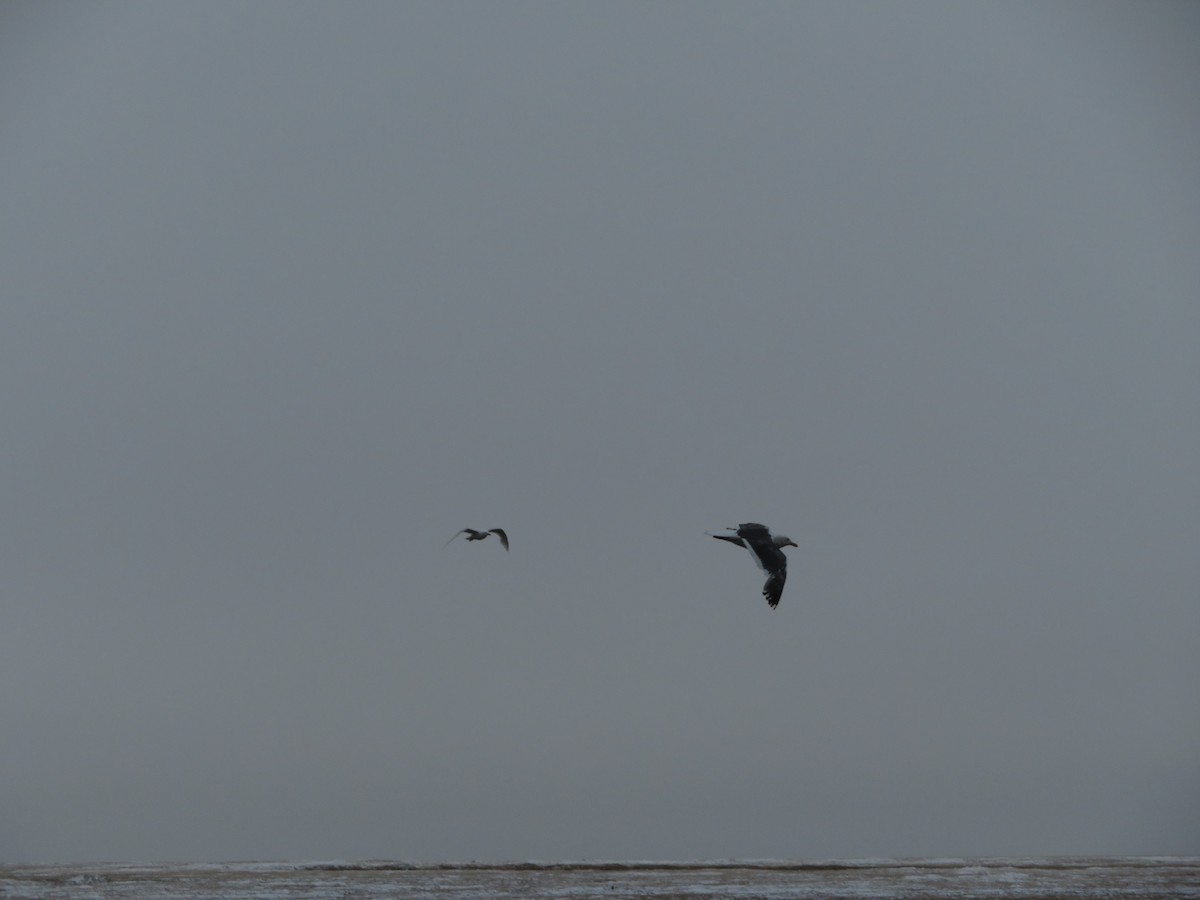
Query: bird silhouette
[(767, 551), (473, 535)]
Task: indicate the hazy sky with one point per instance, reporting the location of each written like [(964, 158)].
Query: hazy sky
[(294, 291)]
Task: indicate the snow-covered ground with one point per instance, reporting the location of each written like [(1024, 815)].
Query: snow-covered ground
[(1010, 877)]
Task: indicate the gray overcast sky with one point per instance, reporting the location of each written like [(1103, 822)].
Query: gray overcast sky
[(293, 291)]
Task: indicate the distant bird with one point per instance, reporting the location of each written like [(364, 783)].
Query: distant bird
[(473, 535), (767, 551)]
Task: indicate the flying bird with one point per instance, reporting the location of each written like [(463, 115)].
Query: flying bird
[(473, 535), (767, 551)]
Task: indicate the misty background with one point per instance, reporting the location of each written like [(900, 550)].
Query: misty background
[(294, 291)]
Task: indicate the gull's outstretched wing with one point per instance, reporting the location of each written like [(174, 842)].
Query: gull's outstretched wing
[(499, 532), (732, 538), (457, 533), (773, 589)]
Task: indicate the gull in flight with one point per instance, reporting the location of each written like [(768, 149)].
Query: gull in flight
[(767, 551), (473, 535)]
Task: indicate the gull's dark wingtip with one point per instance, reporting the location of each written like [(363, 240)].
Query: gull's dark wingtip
[(773, 589)]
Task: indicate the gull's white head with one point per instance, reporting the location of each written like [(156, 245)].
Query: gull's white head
[(782, 540)]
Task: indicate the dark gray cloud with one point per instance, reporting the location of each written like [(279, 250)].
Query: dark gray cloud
[(296, 291)]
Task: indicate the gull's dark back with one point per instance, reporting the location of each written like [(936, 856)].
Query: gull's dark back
[(758, 541), (472, 535)]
